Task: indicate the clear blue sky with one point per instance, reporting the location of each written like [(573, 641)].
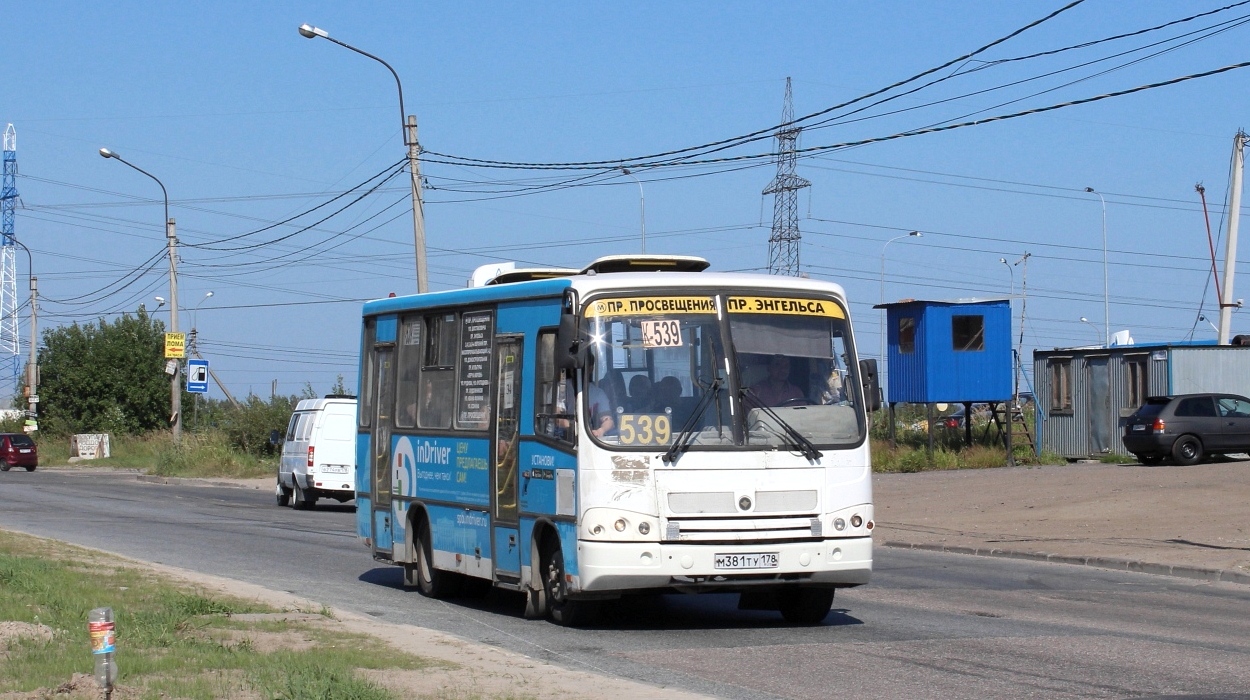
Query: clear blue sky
[(247, 123)]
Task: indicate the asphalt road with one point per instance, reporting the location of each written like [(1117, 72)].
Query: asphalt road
[(928, 626)]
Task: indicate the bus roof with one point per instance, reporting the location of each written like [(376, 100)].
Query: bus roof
[(589, 283)]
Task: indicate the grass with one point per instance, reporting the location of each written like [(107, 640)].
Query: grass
[(203, 454), (172, 641)]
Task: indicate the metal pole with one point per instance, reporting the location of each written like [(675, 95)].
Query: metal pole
[(171, 239), (409, 126), (32, 369), (1106, 304), (642, 203), (1230, 254)]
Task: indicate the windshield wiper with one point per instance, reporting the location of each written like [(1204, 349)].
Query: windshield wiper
[(809, 450), (682, 442)]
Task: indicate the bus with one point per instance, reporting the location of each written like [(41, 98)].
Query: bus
[(638, 426)]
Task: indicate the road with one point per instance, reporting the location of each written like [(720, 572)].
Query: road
[(929, 625)]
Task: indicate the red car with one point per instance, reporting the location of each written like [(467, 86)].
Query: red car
[(18, 450)]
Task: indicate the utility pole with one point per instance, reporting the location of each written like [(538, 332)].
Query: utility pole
[(418, 204), (1227, 303), (32, 369), (175, 383)]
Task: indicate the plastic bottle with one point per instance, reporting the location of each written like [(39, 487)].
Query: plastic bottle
[(100, 628)]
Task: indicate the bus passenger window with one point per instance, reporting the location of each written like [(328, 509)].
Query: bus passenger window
[(410, 354), (554, 414), (438, 381)]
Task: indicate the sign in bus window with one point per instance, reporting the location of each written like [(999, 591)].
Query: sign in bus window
[(661, 334), (644, 429)]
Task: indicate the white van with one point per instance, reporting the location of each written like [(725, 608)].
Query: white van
[(319, 453)]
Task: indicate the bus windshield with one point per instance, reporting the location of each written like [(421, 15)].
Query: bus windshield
[(659, 371)]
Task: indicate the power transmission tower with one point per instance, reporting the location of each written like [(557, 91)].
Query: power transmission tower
[(10, 359), (783, 244)]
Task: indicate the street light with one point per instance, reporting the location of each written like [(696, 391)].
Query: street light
[(194, 312), (1212, 325), (642, 203), (1106, 306), (409, 125), (1011, 291), (913, 234), (1089, 323), (171, 241)]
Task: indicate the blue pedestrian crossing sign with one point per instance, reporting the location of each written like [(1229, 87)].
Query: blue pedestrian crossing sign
[(197, 376)]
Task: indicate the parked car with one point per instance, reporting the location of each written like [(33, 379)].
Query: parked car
[(1188, 427), (18, 450)]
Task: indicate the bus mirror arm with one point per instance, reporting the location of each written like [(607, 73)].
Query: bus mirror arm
[(872, 389)]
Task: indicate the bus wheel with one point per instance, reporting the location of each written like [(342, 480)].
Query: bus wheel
[(805, 606), (282, 494), (430, 581), (564, 611)]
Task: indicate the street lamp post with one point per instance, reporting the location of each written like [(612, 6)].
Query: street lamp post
[(1011, 290), (409, 125), (1106, 305), (32, 374), (913, 234), (171, 241), (1090, 323), (642, 204)]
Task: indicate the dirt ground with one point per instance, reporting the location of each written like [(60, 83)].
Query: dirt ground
[(1181, 516), (1195, 516)]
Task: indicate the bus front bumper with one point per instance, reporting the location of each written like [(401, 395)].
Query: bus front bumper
[(624, 566)]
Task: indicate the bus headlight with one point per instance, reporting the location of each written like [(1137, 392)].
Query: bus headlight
[(644, 528), (620, 524), (839, 524), (856, 521)]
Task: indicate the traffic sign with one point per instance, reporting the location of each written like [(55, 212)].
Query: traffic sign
[(197, 376), (175, 345)]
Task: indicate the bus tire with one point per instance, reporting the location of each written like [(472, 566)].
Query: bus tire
[(564, 610), (431, 582), (805, 606)]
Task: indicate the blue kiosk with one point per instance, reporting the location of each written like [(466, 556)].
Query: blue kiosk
[(949, 352)]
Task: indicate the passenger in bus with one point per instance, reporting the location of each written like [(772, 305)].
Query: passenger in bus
[(666, 394), (776, 389), (639, 394), (601, 421)]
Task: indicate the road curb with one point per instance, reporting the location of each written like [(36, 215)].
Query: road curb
[(1143, 567), (191, 481)]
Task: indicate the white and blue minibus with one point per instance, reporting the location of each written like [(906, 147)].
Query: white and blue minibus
[(638, 426)]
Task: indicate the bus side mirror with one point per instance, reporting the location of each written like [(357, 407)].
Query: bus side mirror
[(570, 354), (872, 390)]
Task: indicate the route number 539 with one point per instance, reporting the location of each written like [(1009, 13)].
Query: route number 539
[(645, 429)]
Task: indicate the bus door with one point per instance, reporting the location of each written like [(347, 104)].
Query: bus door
[(380, 469), (507, 410)]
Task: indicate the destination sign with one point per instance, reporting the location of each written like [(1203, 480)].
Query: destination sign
[(637, 306), (785, 305)]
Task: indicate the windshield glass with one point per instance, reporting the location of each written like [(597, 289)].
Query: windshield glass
[(793, 357), (652, 359)]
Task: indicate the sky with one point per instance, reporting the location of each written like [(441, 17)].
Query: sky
[(256, 130)]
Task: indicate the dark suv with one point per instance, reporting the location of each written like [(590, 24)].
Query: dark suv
[(1188, 427), (17, 450)]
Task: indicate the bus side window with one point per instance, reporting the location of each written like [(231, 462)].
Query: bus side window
[(368, 382), (410, 356), (438, 381), (554, 414)]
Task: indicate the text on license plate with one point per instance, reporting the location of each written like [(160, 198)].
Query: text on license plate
[(25, 452), (758, 560), (1137, 428), (335, 469)]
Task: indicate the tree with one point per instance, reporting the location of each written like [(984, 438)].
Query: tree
[(105, 377)]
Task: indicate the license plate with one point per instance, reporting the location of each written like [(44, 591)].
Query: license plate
[(25, 452), (334, 469), (758, 560), (1139, 428)]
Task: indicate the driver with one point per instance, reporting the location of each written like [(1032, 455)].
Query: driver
[(776, 389)]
